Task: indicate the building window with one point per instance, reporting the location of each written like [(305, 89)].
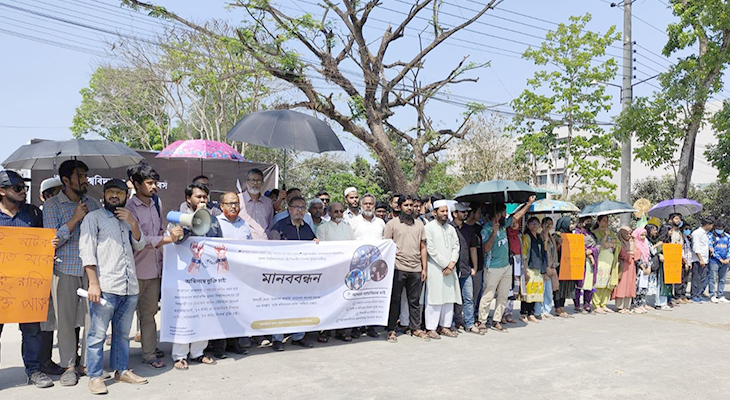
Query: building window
[(557, 179), (542, 180)]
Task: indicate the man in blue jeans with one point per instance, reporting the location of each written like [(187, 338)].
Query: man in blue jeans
[(719, 260), (109, 237), (15, 212), (466, 268)]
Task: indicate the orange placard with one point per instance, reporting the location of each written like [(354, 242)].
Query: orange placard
[(26, 268), (672, 263), (572, 258)]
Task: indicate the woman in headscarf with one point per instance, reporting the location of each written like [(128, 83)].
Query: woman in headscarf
[(607, 265), (566, 289), (625, 291), (642, 256), (588, 285), (545, 308), (657, 288), (533, 252), (514, 238)]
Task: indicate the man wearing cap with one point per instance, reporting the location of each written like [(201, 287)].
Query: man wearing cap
[(109, 238), (14, 211), (353, 204), (64, 213), (466, 268), (49, 188)]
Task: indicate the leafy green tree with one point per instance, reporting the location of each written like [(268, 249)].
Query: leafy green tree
[(572, 101), (296, 49), (439, 180), (124, 105), (672, 117)]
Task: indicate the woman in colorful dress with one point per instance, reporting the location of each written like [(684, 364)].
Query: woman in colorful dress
[(535, 257), (607, 265), (566, 289), (587, 286), (625, 291), (642, 256)]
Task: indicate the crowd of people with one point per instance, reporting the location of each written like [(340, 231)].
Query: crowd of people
[(453, 261)]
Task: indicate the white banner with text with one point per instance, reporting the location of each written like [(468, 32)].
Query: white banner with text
[(219, 288)]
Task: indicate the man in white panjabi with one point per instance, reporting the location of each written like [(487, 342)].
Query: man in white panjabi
[(442, 283)]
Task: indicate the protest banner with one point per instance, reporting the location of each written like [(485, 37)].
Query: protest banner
[(217, 288), (573, 257), (26, 269), (672, 263)]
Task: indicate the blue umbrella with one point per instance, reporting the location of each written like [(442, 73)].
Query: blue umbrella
[(606, 208), (675, 206)]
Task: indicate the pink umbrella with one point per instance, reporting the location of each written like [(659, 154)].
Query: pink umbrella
[(202, 150)]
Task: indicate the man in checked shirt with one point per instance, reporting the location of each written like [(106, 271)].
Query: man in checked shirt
[(64, 212), (109, 237)]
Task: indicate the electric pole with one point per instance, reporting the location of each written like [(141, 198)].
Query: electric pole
[(626, 97)]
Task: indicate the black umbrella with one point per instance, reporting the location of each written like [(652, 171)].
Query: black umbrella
[(285, 129), (49, 154)]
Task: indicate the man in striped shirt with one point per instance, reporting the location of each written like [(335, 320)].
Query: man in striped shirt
[(64, 212)]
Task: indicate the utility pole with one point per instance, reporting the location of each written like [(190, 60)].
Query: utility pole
[(626, 97)]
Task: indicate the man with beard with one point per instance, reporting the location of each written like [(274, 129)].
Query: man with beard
[(316, 213), (15, 212), (253, 203), (410, 266), (213, 207), (292, 228), (442, 245), (64, 213), (394, 207), (367, 226), (353, 204), (145, 207), (497, 278), (109, 238)]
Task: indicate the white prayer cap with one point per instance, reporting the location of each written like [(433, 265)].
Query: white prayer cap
[(50, 183), (350, 190), (440, 203)]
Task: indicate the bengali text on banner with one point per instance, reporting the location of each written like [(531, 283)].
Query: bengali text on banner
[(221, 288)]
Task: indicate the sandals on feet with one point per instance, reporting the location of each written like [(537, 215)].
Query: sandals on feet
[(392, 337), (448, 333), (181, 365), (499, 328), (420, 334), (433, 335), (532, 318), (155, 363), (204, 360)]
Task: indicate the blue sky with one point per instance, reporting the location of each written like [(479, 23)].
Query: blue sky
[(42, 76)]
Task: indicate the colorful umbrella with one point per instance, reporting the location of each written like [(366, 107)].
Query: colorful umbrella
[(675, 206), (546, 206), (202, 150), (606, 208)]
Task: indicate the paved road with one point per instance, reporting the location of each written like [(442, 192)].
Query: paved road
[(683, 353)]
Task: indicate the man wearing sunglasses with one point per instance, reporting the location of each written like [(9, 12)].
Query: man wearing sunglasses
[(15, 212)]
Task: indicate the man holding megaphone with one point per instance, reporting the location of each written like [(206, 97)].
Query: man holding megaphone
[(196, 222)]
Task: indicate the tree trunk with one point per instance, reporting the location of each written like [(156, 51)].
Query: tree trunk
[(687, 157), (389, 159)]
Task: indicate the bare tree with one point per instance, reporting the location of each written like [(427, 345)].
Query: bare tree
[(276, 39)]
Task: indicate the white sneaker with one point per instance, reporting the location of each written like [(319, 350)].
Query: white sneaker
[(714, 299), (723, 300)]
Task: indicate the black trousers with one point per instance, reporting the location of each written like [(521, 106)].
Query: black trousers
[(527, 308), (680, 290), (699, 279), (411, 281), (46, 346)]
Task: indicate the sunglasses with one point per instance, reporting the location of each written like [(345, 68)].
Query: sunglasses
[(18, 188)]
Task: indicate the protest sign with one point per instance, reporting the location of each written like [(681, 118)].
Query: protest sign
[(218, 288), (672, 263), (573, 257), (26, 269)]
